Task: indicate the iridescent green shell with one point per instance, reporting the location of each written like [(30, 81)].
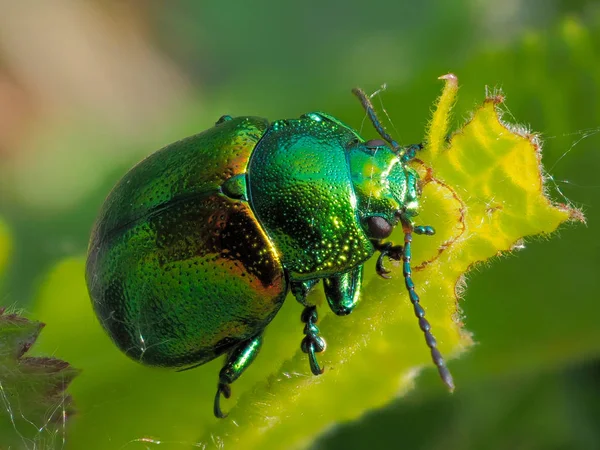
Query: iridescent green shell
[(301, 190), (178, 271)]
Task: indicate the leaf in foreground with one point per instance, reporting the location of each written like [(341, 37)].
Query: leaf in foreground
[(34, 406)]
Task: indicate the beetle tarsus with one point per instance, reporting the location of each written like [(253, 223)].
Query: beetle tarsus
[(312, 342), (225, 390), (315, 368)]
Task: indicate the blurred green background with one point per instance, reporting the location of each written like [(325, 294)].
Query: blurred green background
[(87, 88)]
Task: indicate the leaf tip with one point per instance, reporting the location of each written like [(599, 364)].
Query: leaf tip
[(438, 126), (575, 214), (496, 98), (450, 79)]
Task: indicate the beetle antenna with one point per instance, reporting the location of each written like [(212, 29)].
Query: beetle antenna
[(424, 324), (368, 106)]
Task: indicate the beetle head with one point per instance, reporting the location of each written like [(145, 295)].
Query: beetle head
[(386, 189)]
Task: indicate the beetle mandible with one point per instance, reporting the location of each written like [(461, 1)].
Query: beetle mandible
[(197, 246)]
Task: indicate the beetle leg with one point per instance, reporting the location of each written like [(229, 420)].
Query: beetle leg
[(238, 360), (312, 342), (395, 252), (300, 289), (225, 389), (386, 250), (343, 291)]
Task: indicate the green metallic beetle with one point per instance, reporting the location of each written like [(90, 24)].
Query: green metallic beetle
[(197, 246)]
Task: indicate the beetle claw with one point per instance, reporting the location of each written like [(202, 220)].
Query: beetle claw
[(224, 389), (312, 342), (382, 271), (391, 251), (315, 368)]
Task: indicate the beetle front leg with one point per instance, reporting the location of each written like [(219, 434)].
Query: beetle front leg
[(238, 360), (386, 250), (395, 252)]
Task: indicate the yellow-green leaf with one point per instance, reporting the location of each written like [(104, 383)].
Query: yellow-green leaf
[(483, 192)]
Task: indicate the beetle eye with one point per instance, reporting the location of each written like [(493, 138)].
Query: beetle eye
[(375, 143), (378, 227)]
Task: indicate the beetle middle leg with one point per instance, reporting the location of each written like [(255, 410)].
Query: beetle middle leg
[(238, 360), (312, 342), (343, 291)]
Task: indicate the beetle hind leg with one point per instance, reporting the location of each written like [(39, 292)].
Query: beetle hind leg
[(238, 360)]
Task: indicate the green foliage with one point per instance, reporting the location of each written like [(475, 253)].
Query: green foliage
[(534, 314), (5, 247)]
